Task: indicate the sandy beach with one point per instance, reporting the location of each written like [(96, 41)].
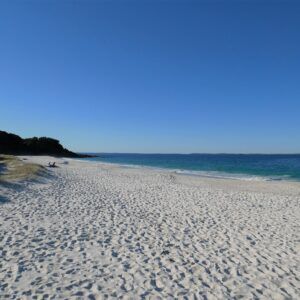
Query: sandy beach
[(99, 231)]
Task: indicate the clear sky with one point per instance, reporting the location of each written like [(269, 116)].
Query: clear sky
[(153, 76)]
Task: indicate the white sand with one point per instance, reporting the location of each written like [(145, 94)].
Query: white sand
[(96, 231)]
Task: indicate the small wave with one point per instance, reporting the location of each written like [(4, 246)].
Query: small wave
[(223, 175)]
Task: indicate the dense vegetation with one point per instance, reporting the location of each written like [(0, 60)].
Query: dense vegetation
[(14, 144)]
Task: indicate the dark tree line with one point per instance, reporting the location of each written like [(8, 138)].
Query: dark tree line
[(14, 144)]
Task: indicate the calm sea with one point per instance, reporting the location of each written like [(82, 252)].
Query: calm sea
[(245, 166)]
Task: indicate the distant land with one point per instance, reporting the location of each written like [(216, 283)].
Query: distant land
[(15, 145)]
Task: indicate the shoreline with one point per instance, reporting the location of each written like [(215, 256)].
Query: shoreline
[(223, 183), (205, 174), (100, 230)]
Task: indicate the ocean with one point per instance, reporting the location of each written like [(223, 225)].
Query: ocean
[(236, 166)]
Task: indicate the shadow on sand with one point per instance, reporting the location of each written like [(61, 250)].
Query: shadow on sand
[(18, 186), (3, 200), (9, 186)]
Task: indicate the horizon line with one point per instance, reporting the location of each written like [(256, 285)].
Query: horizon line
[(191, 153)]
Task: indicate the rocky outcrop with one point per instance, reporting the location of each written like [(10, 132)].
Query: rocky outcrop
[(14, 144)]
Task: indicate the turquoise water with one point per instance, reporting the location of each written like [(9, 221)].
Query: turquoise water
[(250, 166)]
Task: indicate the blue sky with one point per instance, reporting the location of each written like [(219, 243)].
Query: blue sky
[(153, 76)]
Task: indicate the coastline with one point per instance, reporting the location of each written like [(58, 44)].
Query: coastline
[(259, 184), (255, 167), (240, 180), (94, 229)]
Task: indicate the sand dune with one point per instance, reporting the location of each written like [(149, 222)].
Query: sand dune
[(97, 231)]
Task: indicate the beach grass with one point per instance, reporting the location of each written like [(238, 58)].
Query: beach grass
[(14, 169)]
